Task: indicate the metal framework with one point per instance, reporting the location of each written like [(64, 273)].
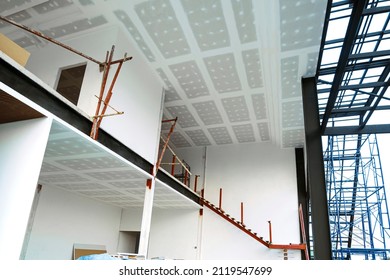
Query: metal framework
[(358, 211), (354, 66), (353, 101)]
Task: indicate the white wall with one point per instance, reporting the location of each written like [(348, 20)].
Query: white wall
[(137, 92), (262, 176), (22, 146), (174, 234), (64, 218), (131, 219), (128, 241)]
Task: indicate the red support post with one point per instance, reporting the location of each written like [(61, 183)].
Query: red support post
[(166, 143), (302, 223), (173, 165), (186, 178), (201, 201), (220, 198), (242, 213), (270, 231), (196, 182)]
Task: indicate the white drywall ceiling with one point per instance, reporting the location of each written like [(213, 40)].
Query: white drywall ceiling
[(231, 69)]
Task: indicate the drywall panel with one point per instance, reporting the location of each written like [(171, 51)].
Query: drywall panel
[(139, 94), (22, 146), (263, 177), (128, 241), (64, 218), (137, 91), (174, 234), (131, 219)]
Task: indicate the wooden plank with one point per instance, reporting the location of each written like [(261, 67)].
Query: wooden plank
[(13, 50)]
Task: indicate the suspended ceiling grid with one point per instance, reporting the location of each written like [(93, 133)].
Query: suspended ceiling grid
[(76, 164), (231, 69)]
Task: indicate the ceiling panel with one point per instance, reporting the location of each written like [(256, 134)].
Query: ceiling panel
[(208, 112), (198, 137), (292, 115), (300, 24), (185, 118), (244, 133), (223, 72), (259, 106), (178, 140), (245, 20), (133, 30), (293, 137), (290, 77), (190, 79), (252, 63), (170, 92), (159, 19), (207, 22), (76, 164), (220, 135), (236, 109), (51, 6), (224, 65), (264, 131)]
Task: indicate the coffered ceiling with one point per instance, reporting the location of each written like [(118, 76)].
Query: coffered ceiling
[(231, 69)]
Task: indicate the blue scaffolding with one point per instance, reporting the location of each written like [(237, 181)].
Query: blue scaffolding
[(358, 210), (353, 98)]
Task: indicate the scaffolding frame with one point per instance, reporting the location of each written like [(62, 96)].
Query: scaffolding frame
[(352, 82), (358, 210)]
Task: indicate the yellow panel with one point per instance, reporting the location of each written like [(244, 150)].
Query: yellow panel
[(13, 50)]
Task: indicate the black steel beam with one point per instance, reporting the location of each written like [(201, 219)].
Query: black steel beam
[(369, 55), (376, 10), (303, 198), (355, 67), (174, 184), (366, 85), (368, 129), (316, 172), (383, 77), (351, 33), (345, 112)]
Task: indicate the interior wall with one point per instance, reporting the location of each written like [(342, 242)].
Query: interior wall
[(174, 234), (137, 91), (131, 219), (263, 177), (128, 241), (63, 218), (22, 146)]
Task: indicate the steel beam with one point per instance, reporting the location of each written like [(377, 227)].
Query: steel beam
[(383, 90), (352, 31), (368, 129), (376, 10), (366, 85), (369, 55), (302, 192), (355, 67), (355, 111), (316, 172)]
